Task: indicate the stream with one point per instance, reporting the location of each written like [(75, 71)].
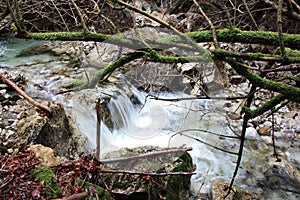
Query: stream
[(139, 120)]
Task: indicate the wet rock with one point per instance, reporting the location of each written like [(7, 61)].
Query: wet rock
[(36, 50), (251, 133), (265, 130), (236, 79), (219, 190), (282, 176)]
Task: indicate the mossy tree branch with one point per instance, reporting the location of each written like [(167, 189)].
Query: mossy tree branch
[(290, 92), (265, 107), (294, 58), (100, 75), (236, 35)]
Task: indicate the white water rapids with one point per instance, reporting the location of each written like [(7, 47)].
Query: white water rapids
[(163, 123)]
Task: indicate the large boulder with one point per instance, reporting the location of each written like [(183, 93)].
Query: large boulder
[(57, 132), (145, 163)]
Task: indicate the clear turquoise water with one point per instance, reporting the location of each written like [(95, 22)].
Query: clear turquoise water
[(10, 48)]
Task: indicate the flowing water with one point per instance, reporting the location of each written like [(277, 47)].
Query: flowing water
[(143, 120)]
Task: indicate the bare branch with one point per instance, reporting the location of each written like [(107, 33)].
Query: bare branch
[(98, 127), (85, 28), (146, 173), (279, 24), (147, 155), (44, 108), (212, 27)]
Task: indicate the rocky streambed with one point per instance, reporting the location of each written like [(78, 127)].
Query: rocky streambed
[(21, 125)]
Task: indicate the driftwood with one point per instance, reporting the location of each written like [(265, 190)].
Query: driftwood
[(44, 108)]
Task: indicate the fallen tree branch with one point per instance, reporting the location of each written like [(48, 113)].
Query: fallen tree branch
[(147, 155), (256, 56), (44, 108), (109, 69), (114, 171), (290, 92)]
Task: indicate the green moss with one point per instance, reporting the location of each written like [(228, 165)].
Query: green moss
[(69, 36), (289, 52), (237, 35), (101, 74), (292, 77), (46, 175), (180, 183), (177, 186), (101, 192), (156, 57), (265, 107), (74, 84), (290, 92), (250, 56)]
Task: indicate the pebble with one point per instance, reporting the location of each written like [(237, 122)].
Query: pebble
[(265, 130), (266, 139), (21, 115), (10, 151), (251, 133), (267, 123), (279, 134), (9, 133)]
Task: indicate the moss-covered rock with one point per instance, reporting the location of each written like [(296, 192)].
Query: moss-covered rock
[(46, 175), (101, 192), (140, 186)]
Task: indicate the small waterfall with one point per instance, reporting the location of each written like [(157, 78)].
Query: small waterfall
[(159, 123), (149, 122)]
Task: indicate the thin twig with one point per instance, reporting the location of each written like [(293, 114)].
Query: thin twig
[(165, 24), (194, 98), (78, 196), (212, 27), (249, 12), (203, 182), (201, 141), (85, 28), (279, 24)]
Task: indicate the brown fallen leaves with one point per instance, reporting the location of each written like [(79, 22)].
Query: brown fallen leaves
[(18, 182)]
